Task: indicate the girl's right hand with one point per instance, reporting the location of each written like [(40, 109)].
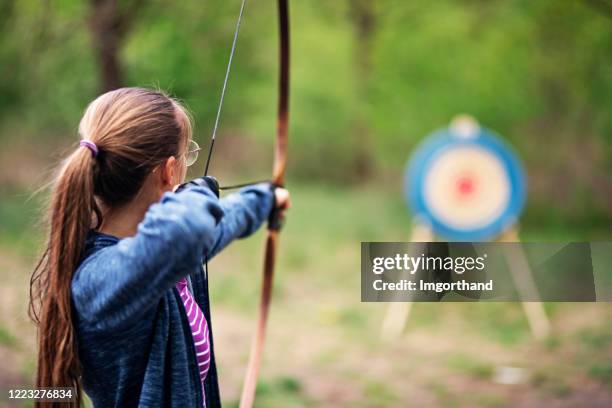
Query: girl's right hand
[(206, 181)]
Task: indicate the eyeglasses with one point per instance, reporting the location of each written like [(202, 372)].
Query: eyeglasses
[(192, 153)]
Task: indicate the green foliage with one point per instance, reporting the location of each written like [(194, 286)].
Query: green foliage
[(362, 94)]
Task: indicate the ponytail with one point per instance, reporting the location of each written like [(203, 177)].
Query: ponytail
[(71, 214)]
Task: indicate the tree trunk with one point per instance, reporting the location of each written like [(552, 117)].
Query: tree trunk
[(364, 19), (603, 6), (109, 24)]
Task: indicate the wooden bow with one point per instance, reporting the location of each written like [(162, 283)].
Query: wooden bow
[(278, 178)]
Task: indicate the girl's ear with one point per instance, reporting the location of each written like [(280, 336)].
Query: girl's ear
[(167, 171)]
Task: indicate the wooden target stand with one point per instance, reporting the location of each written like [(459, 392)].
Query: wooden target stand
[(464, 184)]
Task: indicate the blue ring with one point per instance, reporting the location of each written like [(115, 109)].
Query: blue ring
[(426, 155)]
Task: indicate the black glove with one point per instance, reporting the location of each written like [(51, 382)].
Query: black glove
[(207, 181), (275, 221)]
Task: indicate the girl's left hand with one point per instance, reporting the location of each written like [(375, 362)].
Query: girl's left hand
[(282, 200)]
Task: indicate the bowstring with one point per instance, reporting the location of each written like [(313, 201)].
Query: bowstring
[(214, 132), (227, 72)]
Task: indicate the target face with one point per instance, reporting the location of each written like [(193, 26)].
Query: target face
[(467, 189)]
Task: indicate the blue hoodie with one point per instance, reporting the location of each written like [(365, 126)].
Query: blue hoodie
[(134, 340)]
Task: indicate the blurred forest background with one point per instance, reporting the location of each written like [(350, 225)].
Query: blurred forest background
[(369, 79)]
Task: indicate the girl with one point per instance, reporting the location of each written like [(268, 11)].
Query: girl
[(119, 295)]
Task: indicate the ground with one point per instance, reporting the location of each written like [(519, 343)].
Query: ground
[(324, 347)]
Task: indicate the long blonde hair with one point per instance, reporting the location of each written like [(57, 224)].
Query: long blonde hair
[(135, 130)]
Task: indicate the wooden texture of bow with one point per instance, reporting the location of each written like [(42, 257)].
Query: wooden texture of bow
[(278, 178)]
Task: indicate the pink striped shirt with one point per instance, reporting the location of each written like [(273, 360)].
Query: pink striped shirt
[(199, 330)]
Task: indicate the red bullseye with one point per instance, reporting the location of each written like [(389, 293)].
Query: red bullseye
[(465, 186)]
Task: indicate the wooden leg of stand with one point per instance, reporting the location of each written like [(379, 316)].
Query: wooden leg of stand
[(398, 312), (523, 280), (395, 320)]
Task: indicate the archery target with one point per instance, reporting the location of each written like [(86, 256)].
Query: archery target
[(465, 188)]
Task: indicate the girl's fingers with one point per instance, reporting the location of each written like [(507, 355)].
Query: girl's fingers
[(283, 198)]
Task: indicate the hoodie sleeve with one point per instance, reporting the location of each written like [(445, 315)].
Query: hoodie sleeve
[(121, 282), (245, 211)]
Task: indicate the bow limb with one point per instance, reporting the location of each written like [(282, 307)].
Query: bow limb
[(278, 176)]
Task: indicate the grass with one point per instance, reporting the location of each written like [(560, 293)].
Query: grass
[(602, 371), (6, 338), (596, 340), (470, 365), (277, 392), (323, 345), (445, 397), (19, 221), (552, 381), (378, 393)]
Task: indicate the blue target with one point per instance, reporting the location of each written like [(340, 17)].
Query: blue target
[(467, 186)]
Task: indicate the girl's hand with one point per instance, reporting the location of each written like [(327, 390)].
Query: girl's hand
[(206, 181), (282, 200)]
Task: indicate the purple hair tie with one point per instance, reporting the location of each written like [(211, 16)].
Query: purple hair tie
[(90, 145)]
